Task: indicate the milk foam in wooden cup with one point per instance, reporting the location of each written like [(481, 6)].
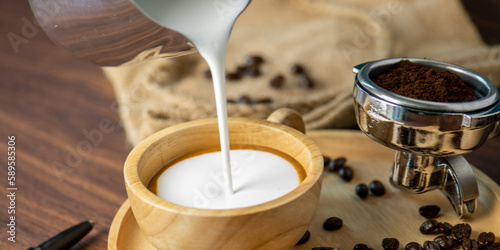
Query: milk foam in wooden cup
[(275, 224), (258, 175)]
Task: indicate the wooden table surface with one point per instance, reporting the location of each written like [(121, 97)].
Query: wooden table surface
[(69, 144)]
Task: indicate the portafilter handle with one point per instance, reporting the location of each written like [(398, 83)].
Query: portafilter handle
[(452, 175)]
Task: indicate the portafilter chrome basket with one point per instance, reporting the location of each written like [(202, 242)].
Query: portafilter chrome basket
[(429, 137)]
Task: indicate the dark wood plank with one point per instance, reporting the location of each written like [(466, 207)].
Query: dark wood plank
[(48, 100)]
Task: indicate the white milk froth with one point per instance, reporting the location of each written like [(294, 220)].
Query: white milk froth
[(207, 24), (258, 177)]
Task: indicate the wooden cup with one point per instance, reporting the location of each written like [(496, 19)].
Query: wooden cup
[(277, 224)]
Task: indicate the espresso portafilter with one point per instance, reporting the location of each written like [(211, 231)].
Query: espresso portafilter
[(429, 137)]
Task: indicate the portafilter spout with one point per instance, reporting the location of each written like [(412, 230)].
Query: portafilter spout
[(429, 137)]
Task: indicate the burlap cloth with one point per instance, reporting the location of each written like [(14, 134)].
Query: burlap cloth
[(328, 37)]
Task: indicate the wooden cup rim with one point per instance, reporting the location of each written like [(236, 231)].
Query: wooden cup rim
[(135, 185)]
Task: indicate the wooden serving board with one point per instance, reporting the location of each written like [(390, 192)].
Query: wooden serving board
[(369, 221)]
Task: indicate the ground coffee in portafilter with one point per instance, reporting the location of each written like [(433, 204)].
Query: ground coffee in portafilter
[(419, 82)]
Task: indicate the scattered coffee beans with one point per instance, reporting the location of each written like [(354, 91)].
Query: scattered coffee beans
[(296, 69), (253, 60), (304, 78), (251, 68), (362, 246), (431, 245), (461, 232), (445, 228), (277, 81), (346, 173), (485, 239), (241, 69), (336, 164), (326, 161), (469, 244), (233, 76), (362, 190), (207, 73), (244, 99), (304, 238), (306, 81), (429, 211), (429, 226), (451, 236), (413, 246), (264, 100), (390, 243), (332, 223), (445, 242), (377, 188), (495, 246), (253, 71)]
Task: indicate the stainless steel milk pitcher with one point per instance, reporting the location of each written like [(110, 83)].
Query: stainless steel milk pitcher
[(107, 32)]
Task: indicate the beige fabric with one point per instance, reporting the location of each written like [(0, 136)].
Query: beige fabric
[(328, 37)]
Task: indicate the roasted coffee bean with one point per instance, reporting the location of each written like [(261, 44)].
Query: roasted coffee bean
[(485, 239), (230, 101), (362, 246), (306, 81), (495, 246), (207, 73), (332, 223), (390, 243), (304, 238), (445, 228), (241, 69), (469, 244), (431, 245), (322, 248), (233, 76), (326, 161), (413, 246), (429, 226), (377, 188), (296, 69), (362, 190), (460, 232), (277, 81), (264, 100), (429, 211), (254, 60), (336, 164), (346, 173), (445, 242), (244, 99), (252, 71)]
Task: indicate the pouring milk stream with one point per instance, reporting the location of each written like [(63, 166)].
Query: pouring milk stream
[(208, 24)]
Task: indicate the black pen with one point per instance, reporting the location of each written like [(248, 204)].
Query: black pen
[(67, 238)]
